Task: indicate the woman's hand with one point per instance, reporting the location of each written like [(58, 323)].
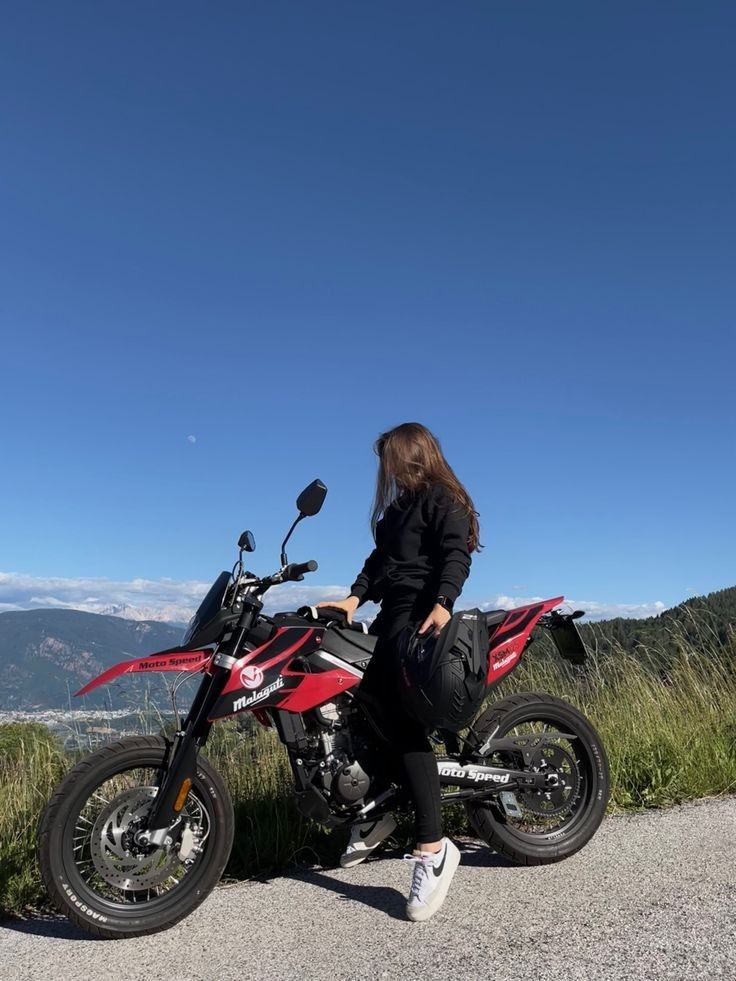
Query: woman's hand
[(436, 620), (348, 605)]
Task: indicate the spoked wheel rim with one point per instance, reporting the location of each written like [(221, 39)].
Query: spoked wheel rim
[(106, 857), (569, 767)]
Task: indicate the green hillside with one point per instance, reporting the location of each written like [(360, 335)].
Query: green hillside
[(695, 623)]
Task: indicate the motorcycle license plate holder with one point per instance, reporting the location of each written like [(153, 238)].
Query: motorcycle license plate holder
[(567, 638)]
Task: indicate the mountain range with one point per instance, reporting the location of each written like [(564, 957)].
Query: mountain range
[(46, 655)]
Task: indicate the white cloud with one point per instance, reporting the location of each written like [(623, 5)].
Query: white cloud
[(594, 609), (137, 599), (176, 600)]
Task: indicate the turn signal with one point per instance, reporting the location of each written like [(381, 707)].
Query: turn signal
[(182, 795)]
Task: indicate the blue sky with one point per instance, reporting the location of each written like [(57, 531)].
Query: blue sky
[(282, 228)]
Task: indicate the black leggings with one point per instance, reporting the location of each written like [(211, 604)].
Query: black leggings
[(409, 741)]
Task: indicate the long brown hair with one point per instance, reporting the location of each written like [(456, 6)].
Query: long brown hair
[(410, 459)]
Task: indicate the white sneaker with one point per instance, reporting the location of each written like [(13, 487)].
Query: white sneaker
[(365, 838), (430, 879)]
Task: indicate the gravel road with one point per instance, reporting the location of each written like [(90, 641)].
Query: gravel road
[(653, 896)]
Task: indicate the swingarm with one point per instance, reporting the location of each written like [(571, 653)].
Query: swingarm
[(491, 778)]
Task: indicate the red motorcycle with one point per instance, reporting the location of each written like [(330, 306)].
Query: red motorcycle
[(138, 833)]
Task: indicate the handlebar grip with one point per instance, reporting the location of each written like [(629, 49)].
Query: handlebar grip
[(299, 568)]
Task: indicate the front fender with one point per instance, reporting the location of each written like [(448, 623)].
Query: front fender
[(171, 660)]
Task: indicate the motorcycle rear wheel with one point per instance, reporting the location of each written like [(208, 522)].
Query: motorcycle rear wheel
[(547, 830), (92, 869)]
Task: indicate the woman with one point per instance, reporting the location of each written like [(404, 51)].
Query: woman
[(425, 528)]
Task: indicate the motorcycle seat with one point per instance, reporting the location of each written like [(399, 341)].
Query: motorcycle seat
[(495, 616), (351, 645)]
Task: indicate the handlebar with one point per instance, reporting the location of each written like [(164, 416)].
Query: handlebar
[(297, 569), (293, 572)]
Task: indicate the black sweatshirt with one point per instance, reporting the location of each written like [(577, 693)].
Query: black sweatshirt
[(421, 547)]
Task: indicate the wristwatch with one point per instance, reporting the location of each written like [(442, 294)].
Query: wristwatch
[(446, 602)]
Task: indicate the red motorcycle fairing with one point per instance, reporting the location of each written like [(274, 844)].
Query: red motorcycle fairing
[(508, 641), (262, 678), (173, 659)]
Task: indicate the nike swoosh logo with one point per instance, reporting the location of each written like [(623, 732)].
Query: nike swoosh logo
[(364, 834), (438, 868)]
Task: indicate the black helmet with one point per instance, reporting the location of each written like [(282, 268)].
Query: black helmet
[(443, 679)]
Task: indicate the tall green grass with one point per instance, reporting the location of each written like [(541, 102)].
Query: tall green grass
[(31, 764), (668, 725)]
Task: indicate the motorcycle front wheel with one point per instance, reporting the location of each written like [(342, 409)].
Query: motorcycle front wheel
[(92, 861), (537, 827)]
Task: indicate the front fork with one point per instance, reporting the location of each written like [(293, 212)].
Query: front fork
[(181, 764)]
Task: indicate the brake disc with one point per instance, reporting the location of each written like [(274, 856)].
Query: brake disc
[(116, 856)]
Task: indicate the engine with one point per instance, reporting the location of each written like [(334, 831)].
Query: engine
[(343, 752)]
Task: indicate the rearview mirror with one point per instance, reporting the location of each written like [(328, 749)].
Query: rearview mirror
[(311, 499), (247, 542)]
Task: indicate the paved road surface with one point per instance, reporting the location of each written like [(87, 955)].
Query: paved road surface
[(653, 896)]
